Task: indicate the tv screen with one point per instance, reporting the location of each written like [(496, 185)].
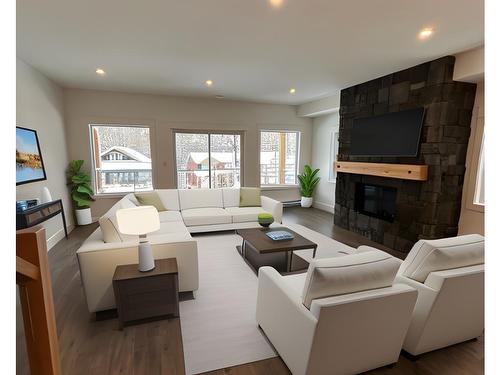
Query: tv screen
[(392, 134), (29, 162)]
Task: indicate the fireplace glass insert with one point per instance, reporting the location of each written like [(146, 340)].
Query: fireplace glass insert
[(376, 201)]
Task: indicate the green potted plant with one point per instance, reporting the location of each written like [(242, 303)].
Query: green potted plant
[(81, 192), (308, 182)]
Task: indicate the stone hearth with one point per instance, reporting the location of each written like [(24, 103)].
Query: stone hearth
[(427, 209)]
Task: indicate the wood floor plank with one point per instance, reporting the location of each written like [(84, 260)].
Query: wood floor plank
[(99, 347)]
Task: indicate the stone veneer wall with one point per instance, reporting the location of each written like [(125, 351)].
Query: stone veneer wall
[(427, 209)]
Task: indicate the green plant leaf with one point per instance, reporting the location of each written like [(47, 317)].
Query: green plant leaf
[(80, 178), (85, 189)]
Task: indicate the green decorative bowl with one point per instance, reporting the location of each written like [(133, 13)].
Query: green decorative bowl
[(265, 220)]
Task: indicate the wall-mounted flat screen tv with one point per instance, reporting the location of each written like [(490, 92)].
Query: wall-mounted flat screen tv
[(29, 162), (391, 134)]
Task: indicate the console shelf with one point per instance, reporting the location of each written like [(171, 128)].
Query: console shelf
[(403, 171)]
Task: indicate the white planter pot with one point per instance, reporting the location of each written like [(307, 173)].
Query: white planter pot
[(306, 202), (83, 217)]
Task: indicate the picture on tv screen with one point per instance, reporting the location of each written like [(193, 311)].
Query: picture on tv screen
[(29, 162)]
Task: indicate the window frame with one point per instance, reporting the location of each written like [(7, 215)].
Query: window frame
[(473, 161), (241, 133), (92, 161), (297, 157)]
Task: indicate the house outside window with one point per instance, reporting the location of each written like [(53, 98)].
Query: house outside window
[(279, 151), (208, 159), (121, 158)]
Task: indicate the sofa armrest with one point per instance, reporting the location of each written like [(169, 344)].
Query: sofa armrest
[(287, 323), (272, 206)]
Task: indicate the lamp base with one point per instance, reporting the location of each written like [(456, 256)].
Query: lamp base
[(146, 260)]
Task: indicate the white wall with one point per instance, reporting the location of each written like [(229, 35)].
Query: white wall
[(40, 106), (164, 113), (323, 126)]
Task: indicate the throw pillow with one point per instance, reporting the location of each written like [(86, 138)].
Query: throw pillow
[(150, 199), (250, 197)]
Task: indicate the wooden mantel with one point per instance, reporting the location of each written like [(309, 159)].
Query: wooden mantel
[(402, 171)]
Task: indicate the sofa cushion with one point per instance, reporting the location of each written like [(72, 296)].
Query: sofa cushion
[(250, 197), (170, 227), (231, 197), (170, 198), (428, 256), (205, 216), (244, 214), (109, 225), (348, 274), (170, 216), (150, 198), (200, 198), (125, 202)]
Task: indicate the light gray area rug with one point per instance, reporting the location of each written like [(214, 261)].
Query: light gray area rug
[(218, 327)]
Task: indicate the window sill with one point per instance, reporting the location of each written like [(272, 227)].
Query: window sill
[(278, 187), (110, 196)]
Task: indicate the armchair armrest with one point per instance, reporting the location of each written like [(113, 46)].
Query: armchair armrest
[(425, 302), (272, 206), (287, 323)]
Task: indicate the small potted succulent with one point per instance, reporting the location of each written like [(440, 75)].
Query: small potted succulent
[(81, 192), (265, 220), (308, 182)]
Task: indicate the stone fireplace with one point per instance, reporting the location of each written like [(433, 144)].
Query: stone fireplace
[(422, 209)]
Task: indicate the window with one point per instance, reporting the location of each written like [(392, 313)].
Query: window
[(207, 159), (121, 158), (334, 150), (279, 152), (479, 190)]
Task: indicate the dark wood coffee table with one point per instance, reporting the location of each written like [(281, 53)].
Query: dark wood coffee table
[(259, 250)]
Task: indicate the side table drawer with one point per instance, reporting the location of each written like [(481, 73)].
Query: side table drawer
[(146, 297), (148, 305), (147, 284)]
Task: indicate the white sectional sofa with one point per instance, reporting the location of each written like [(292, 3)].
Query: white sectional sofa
[(188, 211)]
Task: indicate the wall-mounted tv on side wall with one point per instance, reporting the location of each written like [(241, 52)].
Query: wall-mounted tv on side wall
[(29, 162), (389, 135)]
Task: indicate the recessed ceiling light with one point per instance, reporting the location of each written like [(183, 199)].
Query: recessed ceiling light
[(276, 3), (209, 82), (100, 71), (425, 33), (292, 91)]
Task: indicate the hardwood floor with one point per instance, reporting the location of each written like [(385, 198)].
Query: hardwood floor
[(99, 347)]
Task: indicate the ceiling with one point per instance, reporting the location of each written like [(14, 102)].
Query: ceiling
[(251, 51)]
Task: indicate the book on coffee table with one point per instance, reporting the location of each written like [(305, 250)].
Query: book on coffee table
[(279, 235)]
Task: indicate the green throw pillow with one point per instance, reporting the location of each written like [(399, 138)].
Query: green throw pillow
[(249, 197), (150, 199)]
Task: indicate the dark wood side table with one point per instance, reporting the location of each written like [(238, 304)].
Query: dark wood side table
[(146, 295), (37, 214)]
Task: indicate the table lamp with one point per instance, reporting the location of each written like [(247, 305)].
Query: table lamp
[(140, 221)]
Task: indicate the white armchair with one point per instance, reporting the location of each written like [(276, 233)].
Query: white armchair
[(449, 277), (344, 316)]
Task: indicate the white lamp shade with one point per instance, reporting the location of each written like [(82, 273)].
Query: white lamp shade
[(138, 220)]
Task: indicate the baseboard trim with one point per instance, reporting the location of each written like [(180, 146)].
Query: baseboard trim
[(58, 236), (324, 206)]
